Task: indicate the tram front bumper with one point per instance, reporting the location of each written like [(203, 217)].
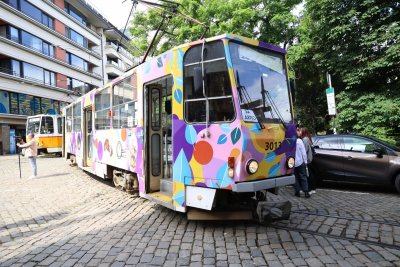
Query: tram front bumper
[(254, 186)]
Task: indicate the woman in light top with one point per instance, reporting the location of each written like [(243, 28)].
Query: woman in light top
[(31, 152)]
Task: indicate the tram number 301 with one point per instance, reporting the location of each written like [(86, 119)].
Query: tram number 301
[(272, 145)]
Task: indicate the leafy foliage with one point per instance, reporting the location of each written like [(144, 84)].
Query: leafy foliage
[(358, 43), (372, 114), (310, 99), (267, 20)]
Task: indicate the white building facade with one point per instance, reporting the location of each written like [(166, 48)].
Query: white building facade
[(50, 53)]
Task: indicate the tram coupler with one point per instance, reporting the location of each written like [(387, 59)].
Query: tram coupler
[(269, 211)]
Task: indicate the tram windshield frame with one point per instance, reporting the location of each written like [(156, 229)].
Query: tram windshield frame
[(262, 83), (33, 125)]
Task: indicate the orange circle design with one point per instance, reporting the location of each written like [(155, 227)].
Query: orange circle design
[(203, 152)]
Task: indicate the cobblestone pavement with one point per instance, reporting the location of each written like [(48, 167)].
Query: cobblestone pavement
[(67, 218)]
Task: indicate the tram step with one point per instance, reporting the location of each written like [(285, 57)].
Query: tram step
[(166, 186), (161, 199)]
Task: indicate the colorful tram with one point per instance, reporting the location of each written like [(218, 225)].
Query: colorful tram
[(203, 128), (48, 132)]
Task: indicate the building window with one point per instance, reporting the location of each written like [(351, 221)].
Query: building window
[(102, 104), (77, 61), (49, 106), (14, 103), (38, 74), (49, 78), (4, 102), (31, 41), (76, 37), (35, 13), (14, 34), (218, 90), (33, 72), (124, 103), (14, 108), (75, 13), (16, 67), (28, 105), (78, 87)]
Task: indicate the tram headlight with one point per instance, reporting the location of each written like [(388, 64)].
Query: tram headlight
[(290, 162), (230, 172), (252, 166)]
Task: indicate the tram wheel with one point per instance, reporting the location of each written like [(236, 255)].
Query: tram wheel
[(397, 182)]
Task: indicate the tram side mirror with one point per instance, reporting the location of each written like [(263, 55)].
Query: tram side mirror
[(267, 109), (198, 81), (292, 84), (168, 107)]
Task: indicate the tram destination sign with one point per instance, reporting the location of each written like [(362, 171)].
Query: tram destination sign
[(330, 97)]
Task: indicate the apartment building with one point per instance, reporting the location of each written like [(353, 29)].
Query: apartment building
[(52, 51)]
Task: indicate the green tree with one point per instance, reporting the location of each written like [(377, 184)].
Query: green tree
[(267, 20), (357, 41), (310, 101)]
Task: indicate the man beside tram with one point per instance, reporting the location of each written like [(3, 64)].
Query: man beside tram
[(31, 152)]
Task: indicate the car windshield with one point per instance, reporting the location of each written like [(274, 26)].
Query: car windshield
[(262, 82)]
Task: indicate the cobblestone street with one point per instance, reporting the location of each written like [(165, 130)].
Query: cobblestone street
[(66, 217)]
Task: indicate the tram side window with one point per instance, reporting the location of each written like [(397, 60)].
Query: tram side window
[(102, 107), (124, 103), (218, 89), (77, 117), (47, 126), (68, 121)]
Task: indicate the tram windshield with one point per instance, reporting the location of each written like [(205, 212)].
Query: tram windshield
[(33, 125), (262, 84)]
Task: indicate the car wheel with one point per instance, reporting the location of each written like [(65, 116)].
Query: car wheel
[(397, 183)]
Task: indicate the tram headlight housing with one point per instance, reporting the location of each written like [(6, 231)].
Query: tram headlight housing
[(252, 166), (290, 162)]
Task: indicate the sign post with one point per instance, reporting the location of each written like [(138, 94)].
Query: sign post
[(330, 97)]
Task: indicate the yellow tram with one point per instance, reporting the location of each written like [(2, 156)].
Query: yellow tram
[(48, 132)]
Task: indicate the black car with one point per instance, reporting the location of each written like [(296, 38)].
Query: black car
[(357, 159)]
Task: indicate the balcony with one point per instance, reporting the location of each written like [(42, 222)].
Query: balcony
[(110, 47), (114, 68)]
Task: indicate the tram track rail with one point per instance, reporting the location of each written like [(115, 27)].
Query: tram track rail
[(391, 222), (351, 239), (288, 225)]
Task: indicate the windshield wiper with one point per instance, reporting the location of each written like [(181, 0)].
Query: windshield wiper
[(264, 94), (244, 98)]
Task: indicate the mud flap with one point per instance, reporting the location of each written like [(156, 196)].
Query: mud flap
[(269, 211)]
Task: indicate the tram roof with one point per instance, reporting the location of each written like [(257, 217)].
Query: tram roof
[(237, 38)]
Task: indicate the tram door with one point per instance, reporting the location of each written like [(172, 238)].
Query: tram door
[(158, 145), (88, 136)]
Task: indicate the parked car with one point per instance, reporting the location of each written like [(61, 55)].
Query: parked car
[(357, 159)]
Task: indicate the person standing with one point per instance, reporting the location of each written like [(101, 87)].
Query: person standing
[(31, 153), (307, 140), (300, 166)]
